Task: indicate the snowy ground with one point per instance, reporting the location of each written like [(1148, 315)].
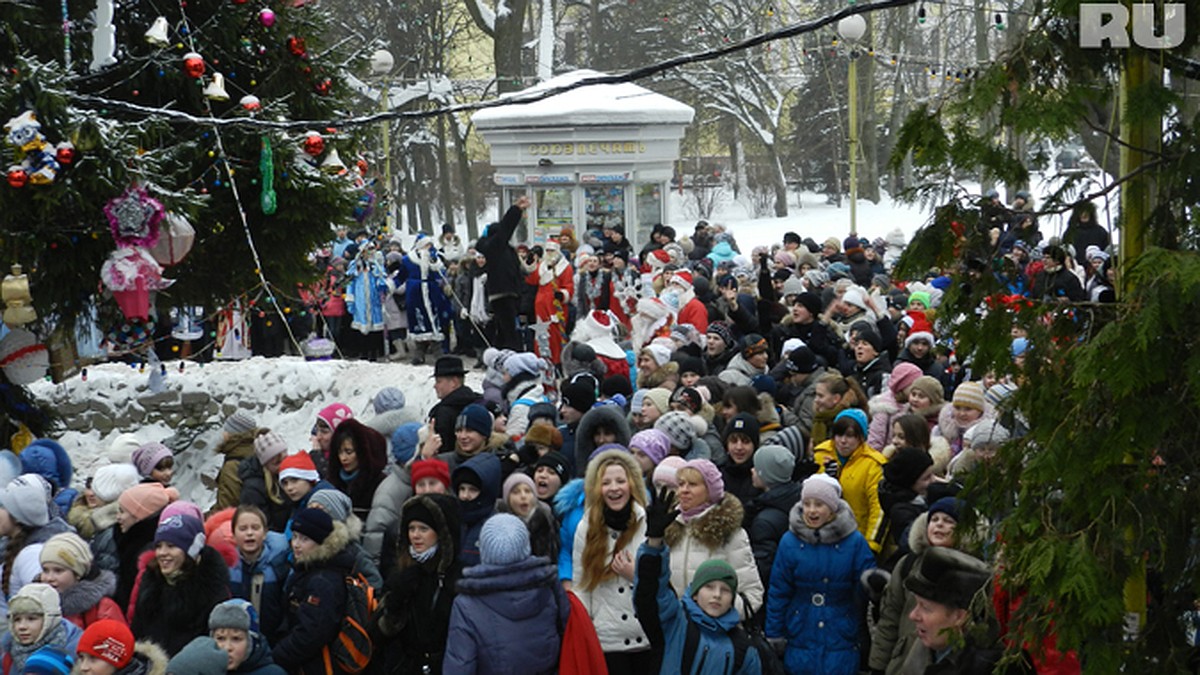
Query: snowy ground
[(255, 385), (811, 216)]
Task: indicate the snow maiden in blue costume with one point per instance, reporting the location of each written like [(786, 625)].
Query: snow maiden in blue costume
[(426, 303)]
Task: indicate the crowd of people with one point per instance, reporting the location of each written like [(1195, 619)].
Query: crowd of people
[(689, 459)]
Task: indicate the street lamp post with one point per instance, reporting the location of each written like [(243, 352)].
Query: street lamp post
[(382, 62), (851, 29)]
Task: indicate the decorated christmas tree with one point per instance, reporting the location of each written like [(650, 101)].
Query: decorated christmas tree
[(151, 146)]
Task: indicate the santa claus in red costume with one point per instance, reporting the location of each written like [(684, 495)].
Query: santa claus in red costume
[(555, 281), (597, 330), (691, 310)]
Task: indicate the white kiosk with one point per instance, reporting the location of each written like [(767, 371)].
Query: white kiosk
[(590, 156)]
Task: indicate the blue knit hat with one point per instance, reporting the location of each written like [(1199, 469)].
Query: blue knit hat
[(315, 524), (201, 656), (387, 399), (947, 505), (475, 418), (858, 416), (49, 660), (404, 441), (504, 540), (183, 531)]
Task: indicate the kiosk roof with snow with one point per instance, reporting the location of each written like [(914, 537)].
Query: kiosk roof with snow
[(601, 155), (589, 105)]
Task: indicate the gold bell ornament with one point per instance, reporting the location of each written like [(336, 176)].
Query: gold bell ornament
[(18, 303)]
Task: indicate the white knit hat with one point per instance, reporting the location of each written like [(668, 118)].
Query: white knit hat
[(113, 479)]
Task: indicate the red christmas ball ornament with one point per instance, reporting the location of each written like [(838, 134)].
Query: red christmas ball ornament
[(296, 46), (313, 143), (324, 86), (65, 153), (193, 65), (17, 177), (250, 102)]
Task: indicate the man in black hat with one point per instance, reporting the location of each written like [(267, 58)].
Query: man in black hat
[(797, 375), (951, 590), (453, 394)]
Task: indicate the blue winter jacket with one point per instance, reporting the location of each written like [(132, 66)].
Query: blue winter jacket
[(568, 509), (507, 619), (714, 652), (50, 460), (815, 593), (267, 574)]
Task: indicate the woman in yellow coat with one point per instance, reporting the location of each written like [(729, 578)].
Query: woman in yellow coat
[(858, 468)]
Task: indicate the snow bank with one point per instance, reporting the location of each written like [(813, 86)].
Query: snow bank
[(283, 394)]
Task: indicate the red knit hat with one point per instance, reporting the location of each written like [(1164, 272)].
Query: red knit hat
[(430, 468), (299, 465), (108, 640)]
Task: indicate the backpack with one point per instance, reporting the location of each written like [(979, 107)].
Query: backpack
[(748, 635), (352, 649)]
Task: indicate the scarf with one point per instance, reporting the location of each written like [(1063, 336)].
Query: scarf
[(422, 557), (53, 636), (347, 477), (618, 520), (686, 516)]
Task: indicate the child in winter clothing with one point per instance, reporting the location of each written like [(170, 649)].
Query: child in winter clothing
[(155, 462), (233, 624), (315, 591), (814, 593), (299, 479), (84, 590), (477, 484), (520, 499), (137, 522), (96, 508), (182, 583), (107, 647), (237, 445), (857, 466), (510, 610), (29, 519), (420, 591), (259, 477), (35, 620), (706, 607), (262, 567)]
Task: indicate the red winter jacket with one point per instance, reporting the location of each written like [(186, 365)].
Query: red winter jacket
[(581, 653)]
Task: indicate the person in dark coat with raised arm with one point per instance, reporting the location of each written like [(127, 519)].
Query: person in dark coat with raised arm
[(504, 282)]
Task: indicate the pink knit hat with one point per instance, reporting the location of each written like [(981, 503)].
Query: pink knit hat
[(334, 414), (666, 473), (145, 499), (712, 478), (903, 375)]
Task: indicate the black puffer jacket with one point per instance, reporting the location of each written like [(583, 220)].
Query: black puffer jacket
[(419, 595), (766, 521), (316, 604), (503, 268), (256, 493), (173, 614), (130, 546)]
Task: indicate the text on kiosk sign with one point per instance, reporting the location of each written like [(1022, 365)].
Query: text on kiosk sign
[(603, 148)]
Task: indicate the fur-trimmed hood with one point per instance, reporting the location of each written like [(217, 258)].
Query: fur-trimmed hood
[(842, 525), (918, 536), (712, 528), (148, 659), (612, 417), (569, 497), (444, 510), (884, 403), (87, 592), (667, 371), (104, 517), (335, 543)]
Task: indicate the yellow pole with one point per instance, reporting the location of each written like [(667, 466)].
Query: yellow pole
[(853, 142), (390, 213)]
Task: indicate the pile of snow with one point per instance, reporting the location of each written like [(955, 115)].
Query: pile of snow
[(263, 387)]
